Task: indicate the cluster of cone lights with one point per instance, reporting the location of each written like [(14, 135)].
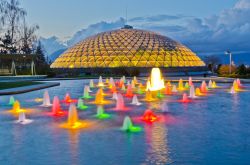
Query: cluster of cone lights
[(115, 93)]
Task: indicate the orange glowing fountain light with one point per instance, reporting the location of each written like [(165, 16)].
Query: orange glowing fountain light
[(149, 96), (17, 108), (99, 98), (67, 99), (149, 116), (129, 92), (73, 121), (168, 90)]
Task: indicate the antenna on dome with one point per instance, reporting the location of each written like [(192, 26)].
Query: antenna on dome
[(126, 26), (126, 19)]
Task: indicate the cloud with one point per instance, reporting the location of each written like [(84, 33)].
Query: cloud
[(229, 29), (94, 29), (157, 18), (243, 4)]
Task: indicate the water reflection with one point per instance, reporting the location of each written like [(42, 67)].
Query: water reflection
[(235, 102), (74, 146), (156, 138)]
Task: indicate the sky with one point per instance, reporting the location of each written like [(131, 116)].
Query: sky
[(62, 18), (205, 26)]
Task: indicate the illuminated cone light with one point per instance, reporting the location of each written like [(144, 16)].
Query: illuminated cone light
[(46, 99), (156, 80), (12, 100)]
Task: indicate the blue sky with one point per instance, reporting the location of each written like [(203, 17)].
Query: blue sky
[(205, 26), (62, 18)]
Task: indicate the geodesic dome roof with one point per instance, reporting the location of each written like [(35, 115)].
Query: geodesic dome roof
[(127, 47)]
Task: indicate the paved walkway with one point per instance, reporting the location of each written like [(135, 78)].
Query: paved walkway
[(29, 88)]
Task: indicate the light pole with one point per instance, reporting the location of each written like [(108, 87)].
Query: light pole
[(230, 58)]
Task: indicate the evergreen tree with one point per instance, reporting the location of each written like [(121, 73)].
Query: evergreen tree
[(40, 55), (241, 70), (6, 43)]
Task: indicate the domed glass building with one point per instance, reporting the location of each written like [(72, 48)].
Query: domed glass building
[(127, 47)]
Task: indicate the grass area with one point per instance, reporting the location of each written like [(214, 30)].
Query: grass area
[(8, 85)]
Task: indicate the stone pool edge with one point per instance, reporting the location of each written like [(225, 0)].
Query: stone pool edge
[(25, 89)]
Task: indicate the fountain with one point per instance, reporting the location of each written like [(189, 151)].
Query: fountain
[(135, 101), (192, 92), (235, 85), (164, 107), (239, 83), (114, 97), (16, 107), (121, 83), (128, 83), (12, 100), (73, 121), (174, 89), (56, 107), (214, 85), (111, 82), (88, 88), (100, 82), (159, 95), (141, 85), (156, 80), (129, 92), (186, 85), (190, 81), (168, 90), (86, 94), (132, 84), (139, 90), (149, 116), (185, 98), (135, 80), (198, 92), (124, 79), (107, 81), (120, 105), (203, 87), (128, 125), (232, 90), (46, 99), (210, 84), (99, 98), (101, 113), (80, 105), (180, 85), (113, 89), (91, 83), (123, 87), (67, 98), (148, 96), (22, 119)]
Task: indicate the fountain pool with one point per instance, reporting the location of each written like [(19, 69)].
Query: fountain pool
[(214, 129)]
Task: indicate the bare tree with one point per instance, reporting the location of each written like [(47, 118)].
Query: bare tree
[(211, 61), (2, 14), (27, 37), (12, 15)]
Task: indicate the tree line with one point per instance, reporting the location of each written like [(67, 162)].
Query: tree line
[(215, 65)]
